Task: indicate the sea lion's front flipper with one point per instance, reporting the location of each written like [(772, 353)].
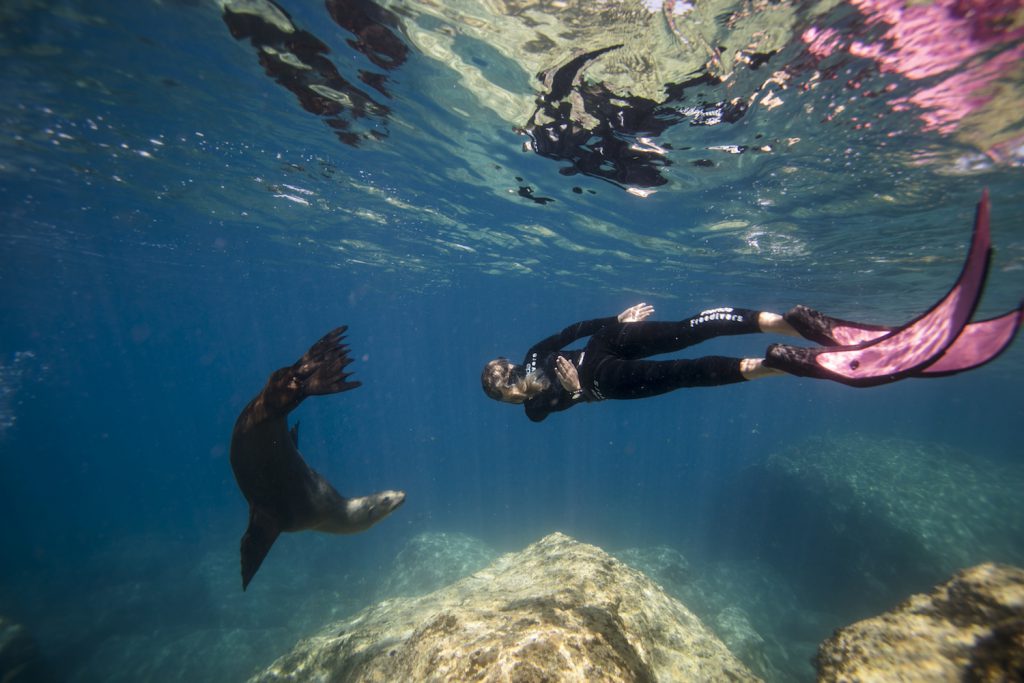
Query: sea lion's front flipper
[(262, 532), (321, 370)]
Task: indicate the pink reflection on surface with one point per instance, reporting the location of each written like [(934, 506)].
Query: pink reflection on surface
[(955, 38)]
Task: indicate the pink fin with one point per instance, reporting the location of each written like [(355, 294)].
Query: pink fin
[(920, 342), (852, 334), (979, 343)]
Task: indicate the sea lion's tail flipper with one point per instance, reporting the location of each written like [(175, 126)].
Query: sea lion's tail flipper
[(909, 349), (256, 542)]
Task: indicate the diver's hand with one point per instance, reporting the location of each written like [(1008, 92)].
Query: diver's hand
[(635, 314), (567, 375)]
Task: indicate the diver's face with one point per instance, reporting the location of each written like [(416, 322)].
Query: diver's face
[(511, 394), (501, 378)]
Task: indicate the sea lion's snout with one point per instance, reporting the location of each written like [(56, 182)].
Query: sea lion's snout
[(393, 499)]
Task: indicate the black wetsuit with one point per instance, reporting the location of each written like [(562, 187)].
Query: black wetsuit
[(612, 365)]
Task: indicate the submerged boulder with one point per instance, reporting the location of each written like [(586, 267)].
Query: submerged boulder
[(558, 610), (434, 559), (20, 661), (668, 566), (859, 522), (970, 628), (746, 604)]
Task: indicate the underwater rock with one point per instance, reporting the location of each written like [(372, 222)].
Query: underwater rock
[(970, 628), (20, 661), (742, 603), (733, 626), (857, 523), (667, 566), (558, 610), (432, 560)]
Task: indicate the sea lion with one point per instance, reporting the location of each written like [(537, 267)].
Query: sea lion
[(284, 493)]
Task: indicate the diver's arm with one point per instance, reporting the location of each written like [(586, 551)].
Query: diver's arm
[(552, 401), (586, 328), (570, 334), (535, 412)]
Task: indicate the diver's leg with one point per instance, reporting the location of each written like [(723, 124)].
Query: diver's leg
[(773, 323), (627, 379), (651, 338)]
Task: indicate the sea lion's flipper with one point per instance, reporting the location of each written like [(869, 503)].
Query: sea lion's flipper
[(262, 532), (321, 370), (909, 349), (294, 431)]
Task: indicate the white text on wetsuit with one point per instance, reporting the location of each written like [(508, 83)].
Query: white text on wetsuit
[(716, 314), (531, 366)]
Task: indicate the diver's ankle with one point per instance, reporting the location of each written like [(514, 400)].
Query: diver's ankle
[(775, 324), (754, 368)]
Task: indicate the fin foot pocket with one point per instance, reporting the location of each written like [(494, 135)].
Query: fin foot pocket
[(827, 331)]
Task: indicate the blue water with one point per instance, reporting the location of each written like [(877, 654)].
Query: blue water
[(175, 226)]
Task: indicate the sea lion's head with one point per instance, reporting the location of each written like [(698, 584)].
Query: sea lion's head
[(362, 513)]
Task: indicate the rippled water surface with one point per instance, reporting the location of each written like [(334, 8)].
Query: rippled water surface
[(797, 142)]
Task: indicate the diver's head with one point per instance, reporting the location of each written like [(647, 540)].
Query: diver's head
[(510, 383), (499, 380)]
